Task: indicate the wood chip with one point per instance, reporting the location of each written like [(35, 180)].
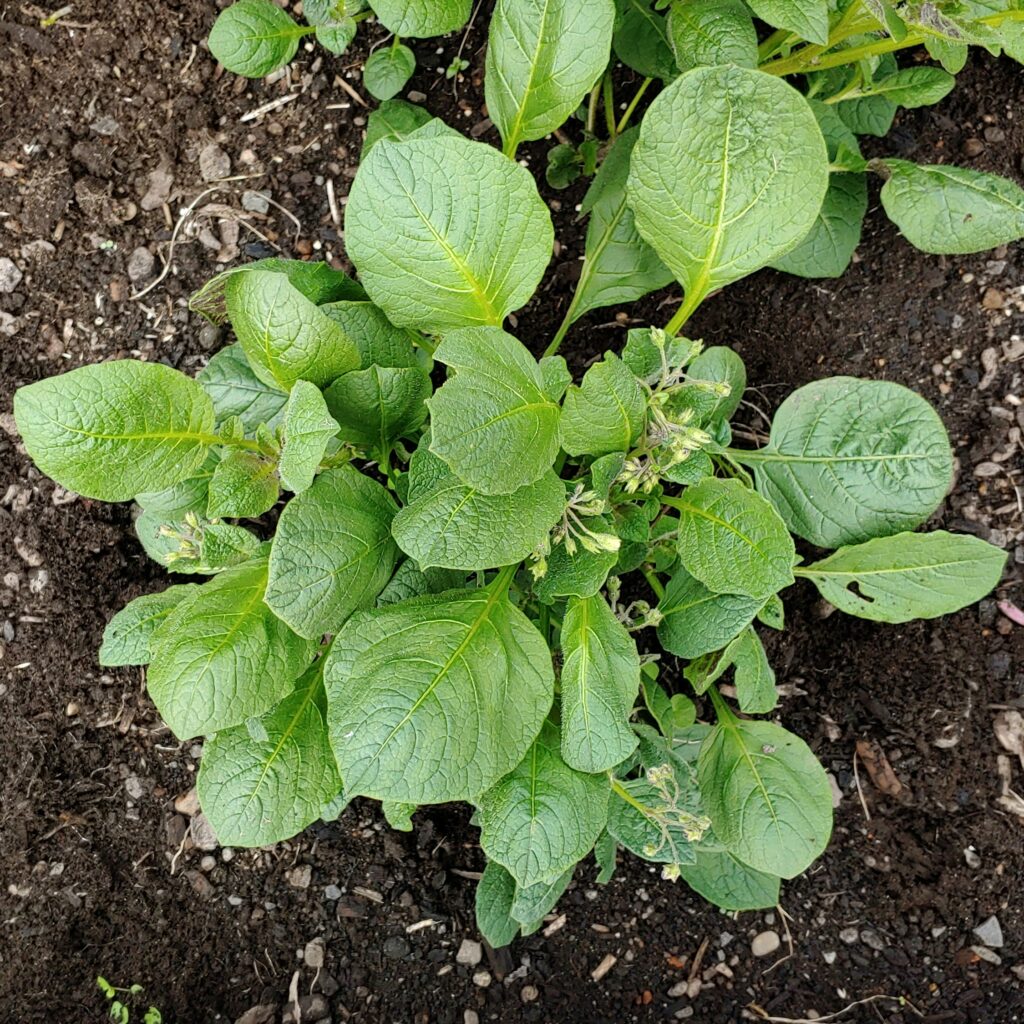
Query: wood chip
[(604, 967), (556, 925), (368, 894), (878, 767)]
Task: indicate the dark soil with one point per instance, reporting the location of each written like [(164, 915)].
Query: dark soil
[(88, 832)]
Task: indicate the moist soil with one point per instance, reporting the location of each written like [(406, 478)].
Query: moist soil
[(102, 122)]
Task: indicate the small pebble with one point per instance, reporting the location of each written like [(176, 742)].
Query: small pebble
[(872, 939), (972, 148), (10, 275), (471, 1017), (208, 863), (529, 993), (829, 957), (140, 264), (314, 953), (482, 979), (396, 947), (849, 936), (187, 803), (332, 892), (300, 876), (765, 943), (470, 953), (214, 163), (990, 933), (203, 835)]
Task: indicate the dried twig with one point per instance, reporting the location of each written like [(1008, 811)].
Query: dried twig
[(860, 792), (902, 1000)]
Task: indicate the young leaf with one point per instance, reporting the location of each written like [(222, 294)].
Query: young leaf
[(639, 821), (113, 430), (448, 523), (605, 850), (755, 679), (851, 459), (337, 37), (556, 376), (542, 817), (532, 903), (395, 120), (720, 364), (542, 57), (952, 210), (600, 679), (332, 553), (376, 406), (641, 40), (437, 698), (307, 427), (671, 713), (580, 574), (718, 126), (387, 70), (733, 541), (697, 620), (244, 485), (254, 37), (421, 19), (446, 232), (379, 342), (908, 576), (495, 893), (284, 336), (618, 266), (222, 656), (767, 795), (729, 883), (492, 422), (236, 391), (707, 32), (605, 413), (126, 640), (258, 791), (806, 18)]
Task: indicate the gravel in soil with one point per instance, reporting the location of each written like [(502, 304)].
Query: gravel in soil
[(109, 128)]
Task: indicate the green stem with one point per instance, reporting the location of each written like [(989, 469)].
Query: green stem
[(563, 327), (722, 710), (804, 60), (592, 108), (396, 42), (654, 583), (249, 446), (625, 794), (608, 92), (503, 580), (690, 302), (631, 109), (778, 40)]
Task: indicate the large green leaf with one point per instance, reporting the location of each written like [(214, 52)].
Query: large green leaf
[(600, 680), (421, 19), (492, 422), (768, 797), (697, 620), (450, 524), (126, 640), (544, 816), (254, 37), (262, 786), (707, 32), (236, 391), (908, 576), (729, 883), (641, 39), (732, 540), (435, 699), (114, 430), (851, 459), (379, 341), (395, 120), (332, 553), (533, 902), (618, 265), (446, 232), (376, 406), (719, 127), (542, 57), (495, 894), (605, 413), (284, 335), (307, 427), (952, 209), (222, 656), (808, 19)]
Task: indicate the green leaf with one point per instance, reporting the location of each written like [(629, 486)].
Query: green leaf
[(952, 210), (618, 266), (542, 57), (639, 820), (254, 37), (126, 640), (641, 40), (387, 70), (851, 459), (542, 817), (707, 32), (755, 680), (244, 485), (720, 364), (556, 376), (222, 656), (908, 576), (410, 581), (379, 342), (605, 850), (261, 791), (337, 37), (422, 19), (827, 249), (729, 883), (914, 87), (450, 524), (580, 574), (698, 620), (952, 56), (532, 903), (398, 816), (600, 679), (332, 553), (307, 427), (806, 18), (605, 413), (492, 421), (395, 120), (284, 335), (649, 349), (495, 893), (732, 540), (671, 713), (377, 406), (236, 391), (719, 126), (446, 232), (768, 797), (435, 699), (113, 430)]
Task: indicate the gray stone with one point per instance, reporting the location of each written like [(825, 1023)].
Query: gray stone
[(990, 933), (134, 787), (262, 1014), (849, 936), (203, 836), (214, 163), (396, 947), (314, 953), (105, 125), (765, 943), (482, 979), (300, 876), (255, 202), (10, 275), (332, 892), (140, 264), (470, 953), (872, 939)]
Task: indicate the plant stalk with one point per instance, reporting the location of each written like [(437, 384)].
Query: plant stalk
[(608, 93), (633, 103), (689, 304)]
